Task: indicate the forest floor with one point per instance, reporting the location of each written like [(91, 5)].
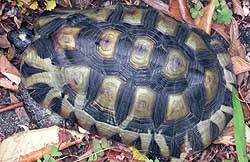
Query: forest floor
[(234, 27)]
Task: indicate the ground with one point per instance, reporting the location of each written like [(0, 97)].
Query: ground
[(14, 119)]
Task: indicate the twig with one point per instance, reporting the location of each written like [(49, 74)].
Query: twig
[(84, 157), (11, 107)]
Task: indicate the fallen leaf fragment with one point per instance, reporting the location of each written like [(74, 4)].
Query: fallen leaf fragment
[(32, 145), (50, 4), (157, 4), (4, 43), (6, 83), (179, 9), (14, 78), (138, 155), (238, 8), (205, 22), (240, 65), (6, 66), (236, 47), (223, 30)]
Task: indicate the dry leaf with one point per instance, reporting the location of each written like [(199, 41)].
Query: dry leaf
[(157, 4), (205, 22), (179, 9), (11, 53), (6, 66), (223, 30), (240, 65), (32, 145), (13, 78), (6, 83), (236, 48), (174, 9), (4, 43), (238, 8)]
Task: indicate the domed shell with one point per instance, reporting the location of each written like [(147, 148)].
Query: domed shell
[(132, 73)]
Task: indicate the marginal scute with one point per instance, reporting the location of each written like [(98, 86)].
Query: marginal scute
[(177, 107), (224, 59), (141, 52), (106, 130), (219, 119), (176, 65), (108, 93), (128, 136), (83, 118), (205, 132), (226, 109), (145, 140), (161, 142), (66, 38), (166, 25), (211, 84), (196, 42), (99, 15), (133, 16), (229, 76), (229, 86), (143, 103), (107, 43)]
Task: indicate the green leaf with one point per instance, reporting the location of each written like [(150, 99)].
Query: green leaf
[(20, 4), (39, 160), (239, 128), (216, 3), (50, 5), (51, 159), (98, 147), (55, 152), (34, 5), (105, 143), (227, 161), (222, 14), (53, 149), (46, 157), (196, 12), (92, 158)]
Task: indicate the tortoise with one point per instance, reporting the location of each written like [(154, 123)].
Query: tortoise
[(130, 73)]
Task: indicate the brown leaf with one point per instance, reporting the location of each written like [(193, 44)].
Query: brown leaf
[(157, 4), (32, 145), (242, 78), (4, 43), (238, 8), (205, 22), (6, 66), (11, 53), (240, 65), (6, 83), (236, 48), (223, 30), (179, 9)]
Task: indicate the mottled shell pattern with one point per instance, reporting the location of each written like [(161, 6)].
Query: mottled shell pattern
[(133, 73)]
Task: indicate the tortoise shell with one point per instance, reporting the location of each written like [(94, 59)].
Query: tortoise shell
[(132, 73)]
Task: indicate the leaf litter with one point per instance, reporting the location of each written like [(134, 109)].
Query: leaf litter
[(180, 9)]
